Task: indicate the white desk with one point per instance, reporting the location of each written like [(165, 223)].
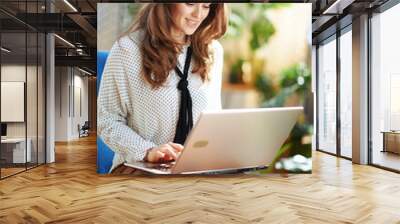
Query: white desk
[(17, 146)]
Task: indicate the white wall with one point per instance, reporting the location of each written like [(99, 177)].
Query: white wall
[(61, 103), (70, 83), (79, 117), (14, 73)]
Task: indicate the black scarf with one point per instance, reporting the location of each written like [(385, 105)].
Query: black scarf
[(185, 121)]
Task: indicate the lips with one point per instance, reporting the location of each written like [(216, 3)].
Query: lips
[(192, 22)]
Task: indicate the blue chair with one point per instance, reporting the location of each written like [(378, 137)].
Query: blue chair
[(104, 154)]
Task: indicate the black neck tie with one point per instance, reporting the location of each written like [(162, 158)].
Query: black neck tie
[(185, 121)]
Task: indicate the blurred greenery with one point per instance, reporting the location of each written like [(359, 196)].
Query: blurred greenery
[(236, 75), (236, 22), (261, 31), (294, 81), (298, 75), (133, 9), (279, 99), (263, 7), (251, 17), (261, 26), (265, 86)]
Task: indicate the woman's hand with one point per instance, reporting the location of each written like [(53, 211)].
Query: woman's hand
[(164, 153)]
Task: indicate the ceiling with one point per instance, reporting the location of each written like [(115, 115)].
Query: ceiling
[(76, 20)]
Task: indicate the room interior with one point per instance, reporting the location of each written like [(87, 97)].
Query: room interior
[(48, 92)]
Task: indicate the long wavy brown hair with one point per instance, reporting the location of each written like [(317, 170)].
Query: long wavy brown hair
[(159, 51)]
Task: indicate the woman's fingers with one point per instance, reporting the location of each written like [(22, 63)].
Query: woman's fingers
[(159, 155), (169, 151), (177, 147), (155, 155), (165, 152)]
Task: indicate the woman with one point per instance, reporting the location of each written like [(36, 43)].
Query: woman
[(157, 80)]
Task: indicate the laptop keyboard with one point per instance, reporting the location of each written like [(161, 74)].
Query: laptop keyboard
[(159, 166)]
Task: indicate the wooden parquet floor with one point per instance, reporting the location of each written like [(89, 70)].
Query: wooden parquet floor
[(70, 191)]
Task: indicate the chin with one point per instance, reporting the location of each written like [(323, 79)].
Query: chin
[(190, 31)]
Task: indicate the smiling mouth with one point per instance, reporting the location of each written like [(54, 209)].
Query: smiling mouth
[(192, 22)]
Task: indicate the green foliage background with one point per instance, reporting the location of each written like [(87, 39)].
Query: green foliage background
[(293, 81)]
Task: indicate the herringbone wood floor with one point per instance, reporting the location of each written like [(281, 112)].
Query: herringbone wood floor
[(70, 191)]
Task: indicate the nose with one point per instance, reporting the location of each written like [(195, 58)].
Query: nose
[(197, 11)]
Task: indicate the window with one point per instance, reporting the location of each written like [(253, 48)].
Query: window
[(23, 77), (327, 96), (385, 88), (346, 93)]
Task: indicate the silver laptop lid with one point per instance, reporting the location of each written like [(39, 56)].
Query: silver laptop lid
[(236, 138)]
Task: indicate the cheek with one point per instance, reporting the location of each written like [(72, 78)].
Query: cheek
[(179, 15)]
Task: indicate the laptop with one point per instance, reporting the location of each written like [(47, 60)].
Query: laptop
[(230, 140)]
